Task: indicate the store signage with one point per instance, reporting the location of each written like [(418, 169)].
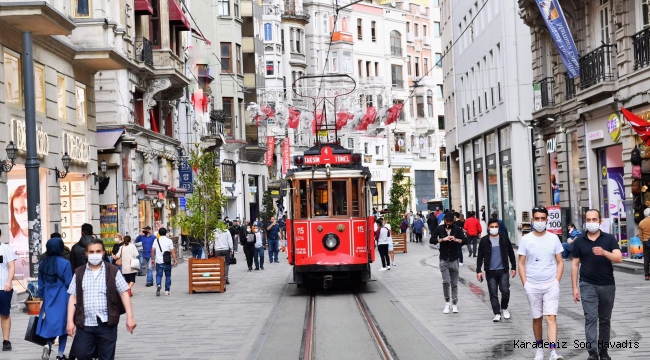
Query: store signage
[(270, 149), (182, 203), (185, 174), (327, 156), (77, 147), (478, 165), (614, 127), (551, 145), (505, 157), (286, 153), (595, 135), (20, 139), (554, 225), (468, 167), (491, 161)]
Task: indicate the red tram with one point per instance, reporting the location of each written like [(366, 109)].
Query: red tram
[(330, 224)]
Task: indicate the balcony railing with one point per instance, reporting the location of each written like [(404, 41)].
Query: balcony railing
[(144, 51), (394, 50), (641, 42), (547, 85), (291, 11), (213, 128), (569, 87), (398, 83), (596, 67)]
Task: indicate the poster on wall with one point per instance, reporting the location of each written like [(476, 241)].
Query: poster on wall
[(18, 224), (612, 172), (555, 176), (554, 225)]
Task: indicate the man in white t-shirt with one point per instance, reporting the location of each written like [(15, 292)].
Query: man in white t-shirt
[(7, 270), (162, 245), (540, 269)]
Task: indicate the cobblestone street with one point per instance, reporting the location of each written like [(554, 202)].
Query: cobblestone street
[(232, 325)]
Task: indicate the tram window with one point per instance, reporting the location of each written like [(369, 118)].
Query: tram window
[(303, 199), (356, 211), (320, 198), (340, 198)]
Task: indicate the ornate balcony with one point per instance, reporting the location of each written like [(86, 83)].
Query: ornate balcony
[(569, 87), (144, 51), (546, 86), (293, 12), (596, 67), (641, 44)]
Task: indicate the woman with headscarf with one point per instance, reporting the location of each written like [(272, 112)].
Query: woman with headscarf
[(54, 277)]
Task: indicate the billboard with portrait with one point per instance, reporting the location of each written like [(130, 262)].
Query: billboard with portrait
[(18, 224)]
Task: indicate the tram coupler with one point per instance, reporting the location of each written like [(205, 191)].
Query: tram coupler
[(327, 281)]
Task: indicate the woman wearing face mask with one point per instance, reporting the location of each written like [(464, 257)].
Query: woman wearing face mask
[(127, 253), (247, 241), (115, 259)]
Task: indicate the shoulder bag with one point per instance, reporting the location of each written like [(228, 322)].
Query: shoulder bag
[(167, 255), (135, 261)]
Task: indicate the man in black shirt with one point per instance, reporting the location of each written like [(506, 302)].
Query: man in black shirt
[(450, 237), (593, 255)]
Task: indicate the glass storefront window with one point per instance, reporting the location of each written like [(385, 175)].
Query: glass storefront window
[(574, 180), (469, 186), (493, 192), (508, 201)]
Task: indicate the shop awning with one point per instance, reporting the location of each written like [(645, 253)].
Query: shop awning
[(107, 138), (198, 34), (143, 7), (177, 16)]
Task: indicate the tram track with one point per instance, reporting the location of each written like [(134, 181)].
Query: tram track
[(308, 345)]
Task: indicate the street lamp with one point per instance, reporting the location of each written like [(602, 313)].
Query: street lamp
[(103, 167), (66, 165), (8, 164)]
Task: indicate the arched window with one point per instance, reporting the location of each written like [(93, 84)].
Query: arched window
[(344, 24), (395, 43)]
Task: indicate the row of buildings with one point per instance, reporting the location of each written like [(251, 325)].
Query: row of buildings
[(521, 131)]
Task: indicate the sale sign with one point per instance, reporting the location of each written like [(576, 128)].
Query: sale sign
[(554, 224), (270, 148), (285, 156)]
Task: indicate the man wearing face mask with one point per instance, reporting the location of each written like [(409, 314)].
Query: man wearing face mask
[(593, 255), (260, 242), (540, 269), (450, 237), (247, 241), (494, 251)]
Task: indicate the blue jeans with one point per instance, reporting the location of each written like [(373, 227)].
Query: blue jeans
[(147, 262), (197, 252), (567, 249), (259, 252), (273, 250), (140, 273), (167, 268)]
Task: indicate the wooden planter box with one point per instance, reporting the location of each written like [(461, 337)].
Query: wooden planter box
[(207, 275), (399, 243)]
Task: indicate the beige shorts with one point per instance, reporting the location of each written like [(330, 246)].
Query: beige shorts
[(543, 298)]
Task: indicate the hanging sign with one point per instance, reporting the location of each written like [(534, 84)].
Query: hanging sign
[(270, 146), (185, 174), (614, 127), (286, 149)]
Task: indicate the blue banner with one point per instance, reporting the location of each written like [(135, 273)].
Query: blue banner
[(185, 175), (559, 30)]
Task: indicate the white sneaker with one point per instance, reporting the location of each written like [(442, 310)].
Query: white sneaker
[(388, 268), (506, 313), (497, 318), (168, 293), (454, 309), (383, 269), (540, 354), (460, 264), (446, 310), (393, 265), (555, 356)]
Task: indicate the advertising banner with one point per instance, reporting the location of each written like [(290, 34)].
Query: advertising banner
[(554, 225), (270, 146), (185, 174), (559, 30), (286, 149)]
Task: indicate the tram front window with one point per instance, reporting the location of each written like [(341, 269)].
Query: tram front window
[(340, 198), (320, 198)]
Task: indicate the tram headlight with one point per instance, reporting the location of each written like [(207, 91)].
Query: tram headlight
[(331, 242)]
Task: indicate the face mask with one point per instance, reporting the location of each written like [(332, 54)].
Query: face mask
[(21, 219), (118, 240), (494, 231), (593, 227), (248, 229), (95, 259), (539, 226)]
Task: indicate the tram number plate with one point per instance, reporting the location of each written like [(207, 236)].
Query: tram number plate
[(301, 251), (361, 249)]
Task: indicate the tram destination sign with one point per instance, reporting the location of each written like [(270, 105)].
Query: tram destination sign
[(325, 159)]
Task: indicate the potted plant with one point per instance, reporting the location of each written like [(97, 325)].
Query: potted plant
[(33, 303), (400, 197), (218, 115), (201, 218)]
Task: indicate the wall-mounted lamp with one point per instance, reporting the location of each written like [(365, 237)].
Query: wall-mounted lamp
[(66, 165), (12, 151), (103, 167), (172, 205)]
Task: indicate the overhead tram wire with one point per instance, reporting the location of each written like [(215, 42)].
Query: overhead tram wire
[(416, 82)]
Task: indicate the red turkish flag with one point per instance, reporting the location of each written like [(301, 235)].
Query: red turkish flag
[(369, 118), (393, 113), (286, 149), (268, 111), (343, 118), (294, 118), (270, 147), (319, 120)]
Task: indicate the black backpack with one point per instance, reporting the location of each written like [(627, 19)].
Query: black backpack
[(635, 156)]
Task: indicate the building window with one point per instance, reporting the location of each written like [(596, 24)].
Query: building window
[(13, 84), (408, 27), (417, 66), (82, 8), (236, 5), (368, 68), (154, 25), (282, 39), (400, 143), (60, 97), (396, 76), (39, 88), (408, 64), (224, 7), (373, 31), (424, 30), (269, 68), (360, 62), (441, 122), (411, 108), (226, 57), (81, 104), (376, 68), (438, 58), (268, 32), (325, 23), (420, 103), (645, 12), (347, 62), (439, 92), (298, 37), (238, 49), (359, 29), (425, 66), (365, 148), (430, 102), (417, 30), (228, 109), (395, 43), (228, 171), (436, 29), (335, 61), (344, 24)]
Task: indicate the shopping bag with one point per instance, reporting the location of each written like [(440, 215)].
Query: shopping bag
[(30, 334)]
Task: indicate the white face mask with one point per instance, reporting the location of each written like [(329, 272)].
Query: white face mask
[(539, 226), (95, 259), (21, 219), (494, 231), (118, 240), (592, 227)]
